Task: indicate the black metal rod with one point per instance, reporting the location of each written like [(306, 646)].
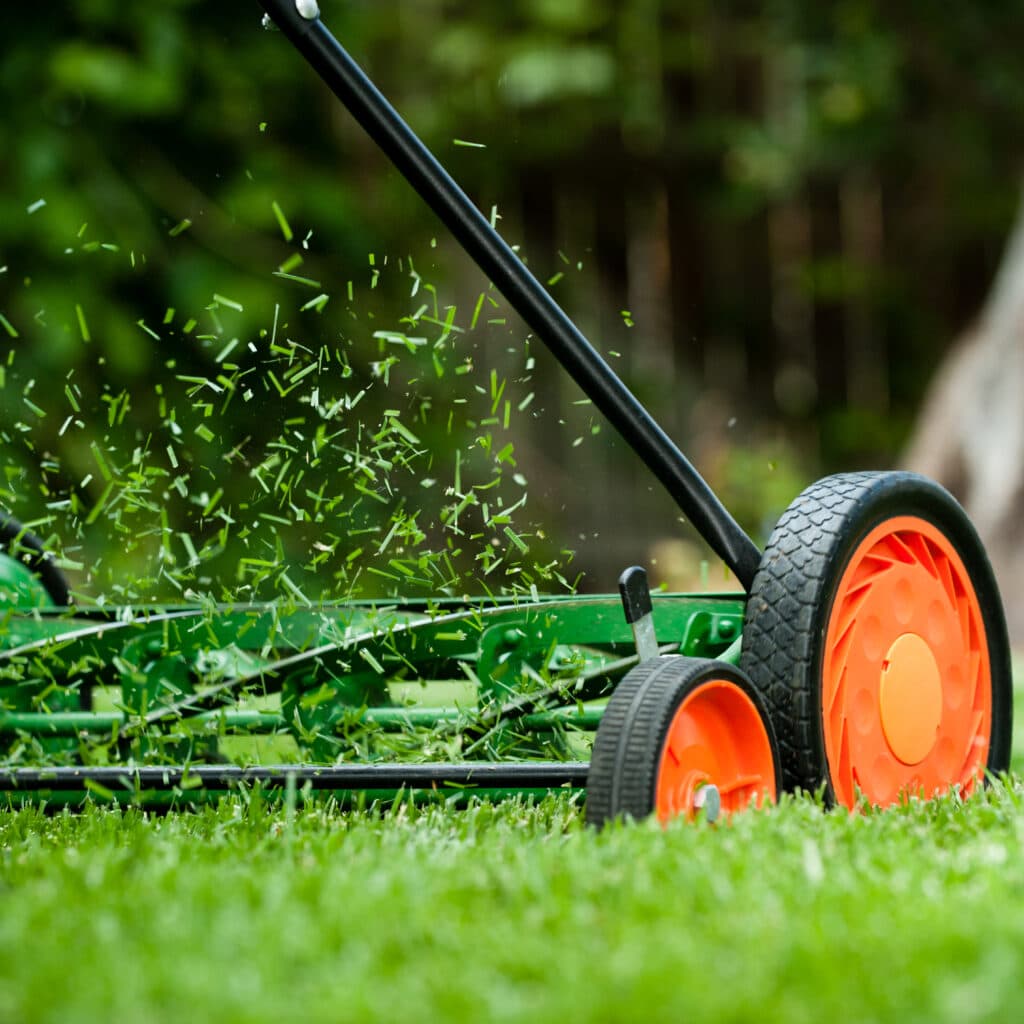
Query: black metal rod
[(495, 775), (523, 291)]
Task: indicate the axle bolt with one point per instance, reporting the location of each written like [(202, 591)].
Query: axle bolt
[(512, 637), (708, 800)]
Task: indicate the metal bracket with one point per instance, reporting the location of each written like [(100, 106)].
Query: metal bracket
[(506, 652), (636, 603), (710, 633)]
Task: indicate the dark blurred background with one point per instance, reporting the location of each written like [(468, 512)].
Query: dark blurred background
[(775, 219)]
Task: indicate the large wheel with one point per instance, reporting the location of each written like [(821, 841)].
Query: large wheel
[(673, 728), (875, 633), (27, 548)]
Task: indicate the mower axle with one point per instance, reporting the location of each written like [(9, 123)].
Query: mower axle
[(369, 777)]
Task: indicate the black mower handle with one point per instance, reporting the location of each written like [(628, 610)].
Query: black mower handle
[(299, 20)]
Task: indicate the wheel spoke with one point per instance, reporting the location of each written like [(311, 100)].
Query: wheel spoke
[(970, 763), (923, 550), (974, 676), (901, 553), (866, 576), (948, 582), (845, 772), (837, 705), (740, 782), (852, 606)]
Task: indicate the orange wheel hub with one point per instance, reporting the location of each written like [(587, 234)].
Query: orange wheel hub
[(906, 680), (715, 737)]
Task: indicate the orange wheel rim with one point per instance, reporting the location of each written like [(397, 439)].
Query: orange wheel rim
[(906, 678), (716, 736)]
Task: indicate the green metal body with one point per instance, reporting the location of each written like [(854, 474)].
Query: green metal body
[(488, 679)]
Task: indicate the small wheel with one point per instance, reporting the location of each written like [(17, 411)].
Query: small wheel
[(27, 548), (875, 633), (672, 727)]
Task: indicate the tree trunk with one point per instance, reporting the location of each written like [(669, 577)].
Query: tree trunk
[(970, 435)]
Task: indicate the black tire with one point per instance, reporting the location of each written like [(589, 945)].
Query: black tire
[(27, 548), (631, 740), (790, 609)]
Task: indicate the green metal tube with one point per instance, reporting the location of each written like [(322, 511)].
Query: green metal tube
[(731, 655), (72, 723), (348, 800), (587, 719)]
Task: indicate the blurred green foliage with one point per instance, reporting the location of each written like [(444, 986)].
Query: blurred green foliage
[(774, 216)]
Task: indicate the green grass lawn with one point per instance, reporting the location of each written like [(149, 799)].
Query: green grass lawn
[(516, 913), (513, 913)]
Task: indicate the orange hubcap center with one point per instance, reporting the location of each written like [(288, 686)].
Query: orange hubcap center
[(910, 698)]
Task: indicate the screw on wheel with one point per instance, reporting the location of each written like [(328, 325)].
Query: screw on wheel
[(682, 737), (875, 634), (27, 549)]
